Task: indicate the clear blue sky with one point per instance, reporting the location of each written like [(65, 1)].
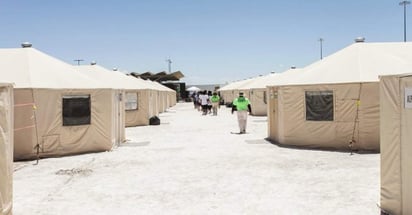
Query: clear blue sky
[(210, 41)]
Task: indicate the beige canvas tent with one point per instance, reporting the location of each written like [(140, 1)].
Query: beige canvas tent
[(135, 93), (334, 103), (6, 148), (169, 94), (256, 91), (57, 110), (229, 92), (396, 148), (161, 97), (166, 96)]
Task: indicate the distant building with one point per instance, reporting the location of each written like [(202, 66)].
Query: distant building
[(160, 77), (170, 80)]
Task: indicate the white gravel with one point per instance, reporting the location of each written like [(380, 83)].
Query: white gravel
[(192, 164)]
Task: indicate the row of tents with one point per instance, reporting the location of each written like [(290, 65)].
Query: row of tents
[(51, 108), (359, 98)]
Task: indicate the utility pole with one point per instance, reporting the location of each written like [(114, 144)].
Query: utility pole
[(78, 61), (321, 47), (169, 62), (404, 3)]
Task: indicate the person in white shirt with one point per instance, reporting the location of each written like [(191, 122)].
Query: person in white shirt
[(204, 99)]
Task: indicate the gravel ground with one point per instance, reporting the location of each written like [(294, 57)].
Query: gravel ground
[(192, 164)]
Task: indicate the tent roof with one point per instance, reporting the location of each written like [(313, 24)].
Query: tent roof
[(260, 82), (284, 78), (113, 79), (236, 85), (158, 86), (30, 68), (359, 62)]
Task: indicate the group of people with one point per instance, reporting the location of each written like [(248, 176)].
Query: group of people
[(209, 103), (206, 102)]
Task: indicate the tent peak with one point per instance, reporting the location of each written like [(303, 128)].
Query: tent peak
[(359, 39), (26, 45)]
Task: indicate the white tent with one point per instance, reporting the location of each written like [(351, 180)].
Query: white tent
[(6, 148), (193, 89), (395, 142), (57, 110), (334, 103)]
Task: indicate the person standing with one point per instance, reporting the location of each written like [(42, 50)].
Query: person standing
[(215, 99), (204, 99), (195, 97), (209, 103), (242, 105)]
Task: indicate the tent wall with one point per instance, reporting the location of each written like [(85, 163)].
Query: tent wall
[(258, 99), (6, 149), (142, 114), (157, 102), (154, 103), (230, 95), (173, 98), (227, 96), (352, 120), (273, 114), (396, 150), (170, 99), (24, 124), (162, 101), (119, 117), (49, 133)]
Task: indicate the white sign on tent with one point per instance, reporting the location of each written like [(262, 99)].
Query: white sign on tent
[(408, 98)]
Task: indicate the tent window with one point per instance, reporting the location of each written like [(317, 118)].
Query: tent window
[(76, 110), (131, 101), (319, 105)]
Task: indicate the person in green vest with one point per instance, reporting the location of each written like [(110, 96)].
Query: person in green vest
[(242, 106), (215, 99)]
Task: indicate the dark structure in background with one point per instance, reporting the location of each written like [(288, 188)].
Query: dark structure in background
[(160, 77), (170, 80), (208, 87)]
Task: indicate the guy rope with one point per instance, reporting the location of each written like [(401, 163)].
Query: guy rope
[(352, 142)]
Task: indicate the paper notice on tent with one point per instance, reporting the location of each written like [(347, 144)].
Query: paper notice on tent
[(408, 98)]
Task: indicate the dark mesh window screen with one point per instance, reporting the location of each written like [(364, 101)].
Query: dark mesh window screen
[(76, 110), (319, 105)]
